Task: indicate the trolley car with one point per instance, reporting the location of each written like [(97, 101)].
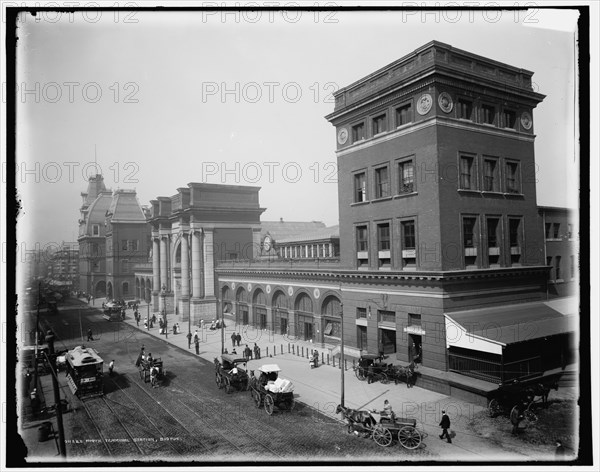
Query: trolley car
[(84, 372)]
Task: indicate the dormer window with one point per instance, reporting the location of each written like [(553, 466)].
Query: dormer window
[(95, 230)]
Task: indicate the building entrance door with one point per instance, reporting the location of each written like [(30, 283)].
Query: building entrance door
[(283, 326), (308, 331), (245, 315), (387, 338), (414, 349), (362, 338)]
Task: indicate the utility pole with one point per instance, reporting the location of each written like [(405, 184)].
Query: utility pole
[(342, 352)]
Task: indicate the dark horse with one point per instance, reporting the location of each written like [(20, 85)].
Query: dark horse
[(362, 417)]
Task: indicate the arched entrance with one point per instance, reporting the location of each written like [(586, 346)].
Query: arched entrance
[(280, 308), (100, 290), (241, 314), (304, 317), (331, 319), (259, 309), (109, 291)]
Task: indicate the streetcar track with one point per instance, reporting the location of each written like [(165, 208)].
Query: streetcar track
[(253, 436), (190, 433), (87, 410), (169, 443)]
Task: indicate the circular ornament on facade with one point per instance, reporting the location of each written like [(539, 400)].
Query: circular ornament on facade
[(267, 243), (342, 136), (290, 291), (232, 285), (526, 120), (445, 102), (317, 293), (249, 287), (268, 288), (424, 104)]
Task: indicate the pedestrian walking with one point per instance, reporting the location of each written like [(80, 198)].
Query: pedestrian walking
[(90, 337), (111, 367), (247, 353), (189, 338), (238, 338), (196, 337), (197, 344), (256, 351), (233, 339), (445, 425)]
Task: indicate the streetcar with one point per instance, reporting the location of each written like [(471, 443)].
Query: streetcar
[(84, 372)]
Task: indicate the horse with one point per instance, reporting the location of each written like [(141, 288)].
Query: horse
[(357, 416)]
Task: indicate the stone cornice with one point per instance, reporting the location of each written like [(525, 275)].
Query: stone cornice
[(341, 275)]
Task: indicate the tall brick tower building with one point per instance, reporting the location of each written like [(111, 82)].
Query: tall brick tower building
[(436, 165)]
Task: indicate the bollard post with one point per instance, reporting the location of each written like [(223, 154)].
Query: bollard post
[(288, 348), (293, 349), (327, 359), (345, 364), (302, 351), (333, 361), (267, 351), (281, 349)]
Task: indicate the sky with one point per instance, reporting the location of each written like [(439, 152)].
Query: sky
[(154, 101)]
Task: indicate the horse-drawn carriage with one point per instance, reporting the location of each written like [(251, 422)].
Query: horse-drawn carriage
[(371, 369), (229, 375), (152, 371), (270, 391), (362, 423), (519, 399)]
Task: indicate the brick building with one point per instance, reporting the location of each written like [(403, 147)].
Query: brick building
[(441, 243)]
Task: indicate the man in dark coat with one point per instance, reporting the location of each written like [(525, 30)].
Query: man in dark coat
[(90, 337), (445, 425), (197, 344), (189, 338), (233, 339), (238, 338)]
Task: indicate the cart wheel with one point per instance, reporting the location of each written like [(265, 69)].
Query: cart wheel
[(219, 380), (494, 408), (228, 387), (382, 436), (515, 413), (256, 397), (360, 374), (384, 379), (409, 437), (269, 404)]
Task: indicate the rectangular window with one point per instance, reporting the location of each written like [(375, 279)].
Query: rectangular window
[(133, 244), (509, 119), (384, 246), (414, 320), (124, 266), (490, 175), (406, 176), (512, 178), (362, 242), (514, 235), (358, 132), (549, 263), (379, 124), (360, 187), (469, 242), (493, 241), (569, 231), (409, 251), (548, 230), (361, 313), (557, 268), (383, 236), (387, 316), (556, 234), (467, 180), (362, 246), (382, 182), (464, 109), (95, 230), (468, 232), (124, 244), (404, 115), (488, 114)]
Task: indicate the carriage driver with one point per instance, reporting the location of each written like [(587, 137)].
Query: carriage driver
[(387, 411), (234, 371)]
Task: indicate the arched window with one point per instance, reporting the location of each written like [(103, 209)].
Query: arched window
[(226, 294), (280, 300), (304, 303), (178, 255), (331, 307), (259, 298), (125, 288), (241, 296)]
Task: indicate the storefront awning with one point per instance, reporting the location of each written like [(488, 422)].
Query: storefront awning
[(489, 329)]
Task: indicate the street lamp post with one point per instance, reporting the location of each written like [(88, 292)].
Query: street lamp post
[(163, 294), (342, 351)]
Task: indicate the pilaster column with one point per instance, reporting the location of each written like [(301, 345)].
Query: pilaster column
[(155, 270), (209, 264), (196, 265), (185, 266), (163, 270), (330, 250)]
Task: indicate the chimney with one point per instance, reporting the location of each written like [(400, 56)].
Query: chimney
[(281, 220)]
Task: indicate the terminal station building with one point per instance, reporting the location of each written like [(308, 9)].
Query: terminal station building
[(440, 243)]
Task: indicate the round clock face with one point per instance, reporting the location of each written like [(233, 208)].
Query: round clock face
[(526, 120), (267, 243), (424, 104), (445, 101), (342, 136)]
